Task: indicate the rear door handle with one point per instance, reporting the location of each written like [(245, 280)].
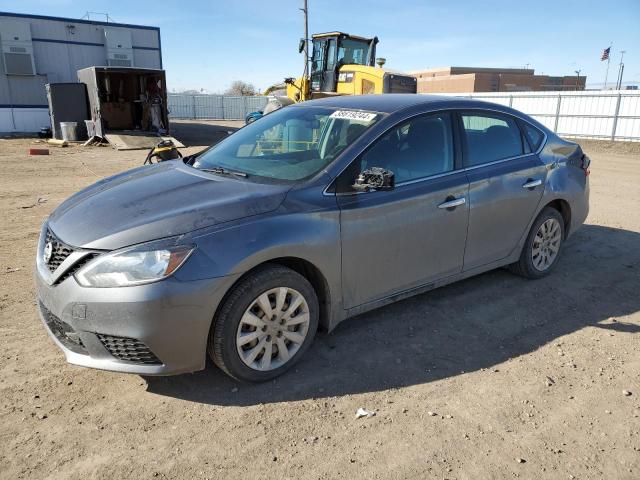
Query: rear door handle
[(456, 202), (532, 183)]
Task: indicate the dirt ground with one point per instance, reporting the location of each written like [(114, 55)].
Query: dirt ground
[(493, 377)]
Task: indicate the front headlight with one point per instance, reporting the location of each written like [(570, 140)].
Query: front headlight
[(133, 266)]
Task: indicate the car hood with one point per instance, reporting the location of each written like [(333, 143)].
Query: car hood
[(158, 201)]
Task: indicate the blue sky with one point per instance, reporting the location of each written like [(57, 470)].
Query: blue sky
[(208, 44)]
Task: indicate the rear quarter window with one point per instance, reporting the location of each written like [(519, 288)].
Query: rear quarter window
[(533, 136)]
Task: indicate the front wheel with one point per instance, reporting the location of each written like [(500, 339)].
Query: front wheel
[(543, 245), (264, 325)]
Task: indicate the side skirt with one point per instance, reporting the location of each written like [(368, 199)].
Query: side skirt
[(423, 288)]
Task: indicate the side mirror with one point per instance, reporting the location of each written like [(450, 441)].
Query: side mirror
[(375, 178), (301, 45)]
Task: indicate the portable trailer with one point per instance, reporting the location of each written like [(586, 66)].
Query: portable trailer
[(128, 106)]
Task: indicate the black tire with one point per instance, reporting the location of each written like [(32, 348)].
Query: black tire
[(222, 338), (524, 266)]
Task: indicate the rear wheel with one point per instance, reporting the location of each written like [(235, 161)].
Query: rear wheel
[(543, 245), (265, 324)]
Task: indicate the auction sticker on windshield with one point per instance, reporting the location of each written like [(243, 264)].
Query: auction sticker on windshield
[(354, 115)]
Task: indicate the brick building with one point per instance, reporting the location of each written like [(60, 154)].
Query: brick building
[(469, 79)]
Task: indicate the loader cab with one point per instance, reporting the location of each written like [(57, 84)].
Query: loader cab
[(333, 50)]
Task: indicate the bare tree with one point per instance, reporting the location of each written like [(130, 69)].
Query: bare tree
[(241, 88)]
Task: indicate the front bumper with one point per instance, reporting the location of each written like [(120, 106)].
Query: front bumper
[(155, 329)]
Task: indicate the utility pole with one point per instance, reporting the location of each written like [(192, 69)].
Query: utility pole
[(577, 78), (620, 71), (305, 11)]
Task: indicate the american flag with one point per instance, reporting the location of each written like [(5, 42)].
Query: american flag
[(605, 54)]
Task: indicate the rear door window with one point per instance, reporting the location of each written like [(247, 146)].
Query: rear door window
[(490, 137)]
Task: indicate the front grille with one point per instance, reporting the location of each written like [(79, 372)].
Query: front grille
[(128, 349), (59, 253), (62, 331), (75, 267)]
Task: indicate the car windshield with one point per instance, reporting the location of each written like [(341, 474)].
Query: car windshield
[(289, 144)]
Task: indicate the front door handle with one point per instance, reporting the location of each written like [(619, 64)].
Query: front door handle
[(452, 203), (532, 183)]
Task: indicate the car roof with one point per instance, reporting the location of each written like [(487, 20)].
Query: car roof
[(392, 102)]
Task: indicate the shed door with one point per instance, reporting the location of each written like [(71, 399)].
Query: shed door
[(68, 103)]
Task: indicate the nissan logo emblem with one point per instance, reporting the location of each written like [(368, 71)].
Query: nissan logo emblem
[(48, 251)]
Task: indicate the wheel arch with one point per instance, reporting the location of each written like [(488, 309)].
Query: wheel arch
[(305, 268), (564, 208)]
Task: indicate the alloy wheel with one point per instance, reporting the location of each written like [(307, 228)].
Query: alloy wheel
[(546, 244)]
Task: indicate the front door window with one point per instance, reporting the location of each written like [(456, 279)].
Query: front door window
[(415, 149)]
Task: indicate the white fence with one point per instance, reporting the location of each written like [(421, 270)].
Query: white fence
[(604, 115), (219, 107)]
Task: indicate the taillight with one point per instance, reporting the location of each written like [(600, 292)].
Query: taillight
[(586, 161)]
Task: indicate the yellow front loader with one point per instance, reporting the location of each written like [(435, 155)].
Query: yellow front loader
[(343, 64)]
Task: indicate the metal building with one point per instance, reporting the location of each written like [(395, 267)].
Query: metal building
[(36, 50)]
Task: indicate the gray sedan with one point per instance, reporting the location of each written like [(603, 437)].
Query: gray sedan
[(310, 215)]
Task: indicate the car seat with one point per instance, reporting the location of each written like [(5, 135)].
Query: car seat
[(501, 142)]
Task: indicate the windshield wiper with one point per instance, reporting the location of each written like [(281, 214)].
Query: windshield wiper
[(223, 171)]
